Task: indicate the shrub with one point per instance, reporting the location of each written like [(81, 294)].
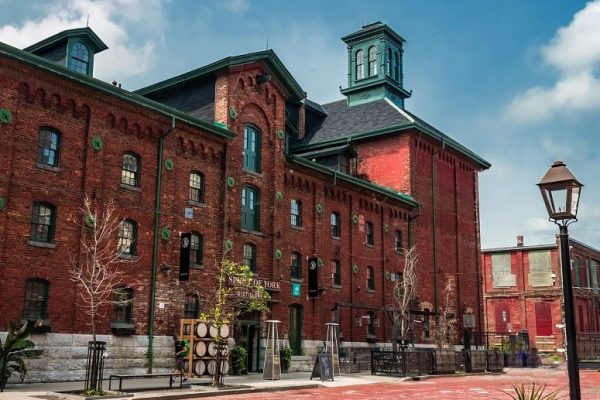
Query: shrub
[(16, 348)]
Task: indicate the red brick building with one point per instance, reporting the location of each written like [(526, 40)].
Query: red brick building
[(523, 291), (236, 155)]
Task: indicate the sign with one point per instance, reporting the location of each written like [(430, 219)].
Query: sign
[(469, 320), (296, 289), (313, 280), (269, 285), (184, 256), (323, 367)]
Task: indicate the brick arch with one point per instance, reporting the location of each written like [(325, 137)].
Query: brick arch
[(110, 120), (254, 114)]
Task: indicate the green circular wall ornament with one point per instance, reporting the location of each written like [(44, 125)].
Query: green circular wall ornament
[(169, 164), (278, 254), (165, 233), (90, 221), (232, 113), (230, 181), (386, 228), (2, 203), (387, 275), (96, 143), (354, 268), (355, 218), (278, 195), (319, 208), (228, 245), (5, 115), (319, 262), (280, 133)]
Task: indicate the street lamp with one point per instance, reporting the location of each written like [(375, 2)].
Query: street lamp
[(560, 190)]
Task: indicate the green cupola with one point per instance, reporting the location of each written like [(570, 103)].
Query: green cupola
[(73, 48), (375, 65)]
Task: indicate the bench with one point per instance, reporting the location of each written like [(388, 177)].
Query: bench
[(170, 375)]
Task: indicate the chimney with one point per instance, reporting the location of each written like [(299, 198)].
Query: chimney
[(520, 241)]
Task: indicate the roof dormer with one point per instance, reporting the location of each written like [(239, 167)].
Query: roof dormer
[(73, 48), (375, 65)]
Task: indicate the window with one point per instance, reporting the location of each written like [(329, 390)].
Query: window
[(370, 278), (36, 300), (191, 307), (250, 208), (540, 268), (372, 323), (370, 234), (296, 212), (426, 324), (123, 305), (296, 268), (543, 318), (396, 66), (389, 62), (79, 58), (398, 242), (197, 187), (360, 64), (372, 61), (250, 256), (130, 174), (501, 271), (127, 237), (336, 229), (336, 272), (196, 250), (48, 145), (42, 222), (251, 149), (502, 312)]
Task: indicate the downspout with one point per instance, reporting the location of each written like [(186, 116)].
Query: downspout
[(434, 226), (155, 244)]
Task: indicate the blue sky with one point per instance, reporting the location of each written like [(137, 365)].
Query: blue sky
[(518, 82)]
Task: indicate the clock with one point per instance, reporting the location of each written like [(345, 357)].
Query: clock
[(185, 242), (312, 265)]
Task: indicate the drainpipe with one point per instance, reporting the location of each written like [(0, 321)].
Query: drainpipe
[(161, 141), (434, 227)]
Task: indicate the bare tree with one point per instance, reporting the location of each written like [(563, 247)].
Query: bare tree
[(405, 296), (94, 269), (445, 327), (236, 292)]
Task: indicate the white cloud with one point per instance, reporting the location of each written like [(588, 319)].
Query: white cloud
[(575, 53), (539, 225), (126, 56), (236, 6)]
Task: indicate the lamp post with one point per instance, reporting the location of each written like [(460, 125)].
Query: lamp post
[(560, 190)]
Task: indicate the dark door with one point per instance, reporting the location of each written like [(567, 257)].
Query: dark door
[(295, 331)]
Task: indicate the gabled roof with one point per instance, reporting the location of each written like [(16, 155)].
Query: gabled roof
[(93, 39), (379, 117), (268, 57), (372, 29), (329, 151)]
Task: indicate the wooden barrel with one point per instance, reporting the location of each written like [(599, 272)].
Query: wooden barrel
[(212, 349), (213, 331), (186, 366), (224, 350), (187, 329), (211, 366), (199, 367), (200, 348), (224, 367), (201, 329), (224, 331)]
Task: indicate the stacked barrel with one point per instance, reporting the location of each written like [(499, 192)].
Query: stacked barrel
[(201, 359)]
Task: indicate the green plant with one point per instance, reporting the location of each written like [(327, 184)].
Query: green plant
[(16, 348), (534, 392), (241, 357), (286, 355), (94, 392)]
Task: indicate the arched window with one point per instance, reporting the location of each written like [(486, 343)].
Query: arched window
[(250, 256), (48, 147), (197, 187), (127, 237), (360, 64), (296, 212), (79, 59), (389, 62), (396, 66), (372, 61), (336, 228), (35, 306), (130, 172), (369, 234), (336, 272), (196, 250), (43, 221), (370, 278), (398, 242), (296, 265), (123, 305), (191, 307), (250, 208), (251, 149)]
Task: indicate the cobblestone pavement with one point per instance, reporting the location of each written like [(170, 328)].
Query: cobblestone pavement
[(462, 388)]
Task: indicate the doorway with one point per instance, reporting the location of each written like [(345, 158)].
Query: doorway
[(247, 335), (295, 331)]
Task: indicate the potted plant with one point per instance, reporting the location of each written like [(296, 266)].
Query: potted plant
[(285, 354), (239, 360), (16, 348)]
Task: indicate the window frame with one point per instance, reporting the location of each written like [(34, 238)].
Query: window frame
[(131, 237), (369, 234), (359, 58), (191, 306), (370, 278), (48, 138), (252, 156), (40, 306), (296, 213), (79, 60), (196, 187), (249, 256), (48, 225), (250, 215), (123, 306), (372, 61), (131, 177), (336, 224), (295, 265), (336, 273), (196, 250), (398, 241)]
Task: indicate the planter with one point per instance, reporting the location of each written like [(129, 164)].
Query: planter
[(285, 355)]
